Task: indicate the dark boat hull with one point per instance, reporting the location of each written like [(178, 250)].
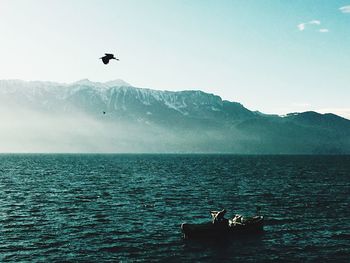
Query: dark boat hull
[(252, 225)]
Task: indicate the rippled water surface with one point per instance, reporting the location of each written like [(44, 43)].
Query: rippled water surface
[(99, 208)]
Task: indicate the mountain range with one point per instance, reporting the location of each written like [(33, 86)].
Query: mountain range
[(114, 116)]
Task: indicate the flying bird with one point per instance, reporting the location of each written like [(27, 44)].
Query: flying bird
[(107, 57)]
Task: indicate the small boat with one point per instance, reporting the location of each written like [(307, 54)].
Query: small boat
[(225, 227)]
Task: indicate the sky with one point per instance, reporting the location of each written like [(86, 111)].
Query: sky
[(272, 56)]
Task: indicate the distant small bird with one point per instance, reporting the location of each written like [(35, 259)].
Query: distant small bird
[(103, 112), (107, 57)]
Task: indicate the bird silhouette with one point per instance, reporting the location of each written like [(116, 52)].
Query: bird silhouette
[(107, 57)]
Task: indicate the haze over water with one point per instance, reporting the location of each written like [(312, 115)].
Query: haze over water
[(100, 208)]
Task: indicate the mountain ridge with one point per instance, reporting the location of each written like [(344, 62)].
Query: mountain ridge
[(183, 121)]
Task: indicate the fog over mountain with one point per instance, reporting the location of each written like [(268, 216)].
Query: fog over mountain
[(113, 116)]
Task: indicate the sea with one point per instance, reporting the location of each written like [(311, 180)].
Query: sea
[(129, 207)]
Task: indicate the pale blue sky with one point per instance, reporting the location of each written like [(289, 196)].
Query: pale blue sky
[(253, 52)]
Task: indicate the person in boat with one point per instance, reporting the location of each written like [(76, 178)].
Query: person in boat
[(218, 216), (236, 220)]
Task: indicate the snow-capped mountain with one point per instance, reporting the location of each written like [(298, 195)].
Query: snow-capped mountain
[(127, 118), (118, 99)]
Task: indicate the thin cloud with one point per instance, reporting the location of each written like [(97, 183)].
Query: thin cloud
[(345, 9), (301, 104), (315, 22), (302, 26)]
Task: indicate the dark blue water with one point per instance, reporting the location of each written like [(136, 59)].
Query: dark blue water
[(102, 208)]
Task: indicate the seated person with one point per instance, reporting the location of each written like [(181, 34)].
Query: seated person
[(218, 216), (238, 219)]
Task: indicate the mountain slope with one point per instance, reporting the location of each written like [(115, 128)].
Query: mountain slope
[(89, 116)]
